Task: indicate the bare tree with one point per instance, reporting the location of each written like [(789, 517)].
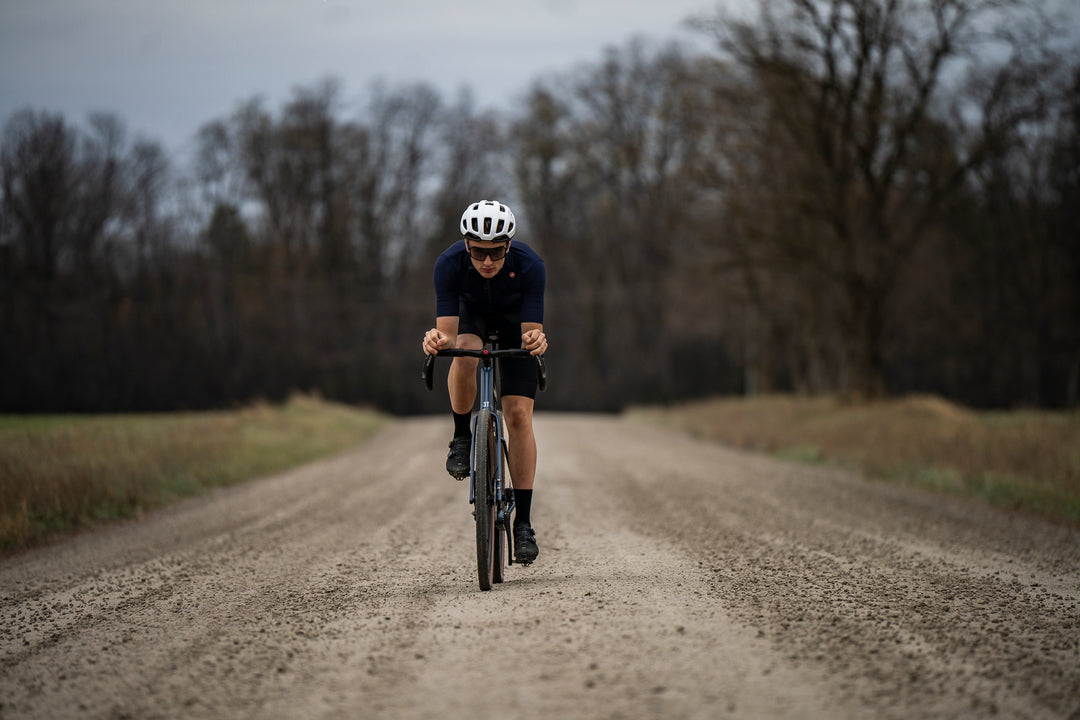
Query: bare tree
[(608, 166), (40, 179), (470, 164), (867, 100)]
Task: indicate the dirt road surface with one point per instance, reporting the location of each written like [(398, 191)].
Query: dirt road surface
[(676, 579)]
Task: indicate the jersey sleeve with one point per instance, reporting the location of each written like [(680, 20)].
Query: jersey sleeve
[(532, 301), (447, 288)]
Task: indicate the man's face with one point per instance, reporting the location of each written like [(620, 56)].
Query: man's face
[(483, 256)]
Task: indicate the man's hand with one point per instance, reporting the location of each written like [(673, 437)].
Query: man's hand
[(434, 341), (535, 341)]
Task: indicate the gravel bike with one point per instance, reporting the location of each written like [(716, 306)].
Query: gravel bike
[(490, 494)]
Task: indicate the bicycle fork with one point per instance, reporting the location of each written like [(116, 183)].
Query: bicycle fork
[(504, 492)]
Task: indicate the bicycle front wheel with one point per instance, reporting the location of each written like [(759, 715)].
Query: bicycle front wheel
[(483, 479)]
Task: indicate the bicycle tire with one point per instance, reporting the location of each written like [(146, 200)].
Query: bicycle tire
[(484, 503)]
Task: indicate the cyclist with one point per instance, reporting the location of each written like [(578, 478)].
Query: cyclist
[(483, 284)]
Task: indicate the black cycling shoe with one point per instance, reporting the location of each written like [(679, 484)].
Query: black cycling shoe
[(457, 460), (525, 550)]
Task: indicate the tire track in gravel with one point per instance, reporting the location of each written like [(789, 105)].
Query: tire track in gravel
[(676, 579)]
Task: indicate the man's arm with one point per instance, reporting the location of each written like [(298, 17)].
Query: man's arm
[(443, 335), (533, 338)]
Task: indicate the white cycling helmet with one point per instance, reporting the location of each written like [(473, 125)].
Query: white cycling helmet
[(489, 221)]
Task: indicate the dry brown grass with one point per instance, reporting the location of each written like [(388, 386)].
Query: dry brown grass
[(62, 473), (1027, 460)]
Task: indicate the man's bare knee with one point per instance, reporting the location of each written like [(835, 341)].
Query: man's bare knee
[(518, 416)]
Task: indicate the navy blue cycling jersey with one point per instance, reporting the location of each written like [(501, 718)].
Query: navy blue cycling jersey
[(517, 290)]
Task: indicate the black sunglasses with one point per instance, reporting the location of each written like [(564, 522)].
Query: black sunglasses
[(495, 254)]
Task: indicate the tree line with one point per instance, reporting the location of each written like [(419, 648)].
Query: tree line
[(839, 196)]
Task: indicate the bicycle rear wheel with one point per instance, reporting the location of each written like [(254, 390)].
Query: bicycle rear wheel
[(498, 562), (501, 543), (483, 497)]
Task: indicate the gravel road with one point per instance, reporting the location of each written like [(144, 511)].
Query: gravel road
[(676, 579)]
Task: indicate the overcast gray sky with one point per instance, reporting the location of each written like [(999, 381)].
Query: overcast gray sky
[(167, 66)]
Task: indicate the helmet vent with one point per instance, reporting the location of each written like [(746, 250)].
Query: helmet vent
[(487, 226)]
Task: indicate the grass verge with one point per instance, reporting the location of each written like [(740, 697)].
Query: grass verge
[(61, 473), (1025, 460)]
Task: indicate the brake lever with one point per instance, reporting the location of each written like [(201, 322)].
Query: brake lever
[(541, 373), (426, 375)]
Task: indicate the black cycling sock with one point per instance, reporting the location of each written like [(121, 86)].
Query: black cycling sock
[(462, 424), (522, 504)]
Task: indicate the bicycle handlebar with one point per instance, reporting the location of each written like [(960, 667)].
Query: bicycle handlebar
[(541, 366)]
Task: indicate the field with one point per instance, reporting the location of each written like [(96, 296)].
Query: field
[(62, 473), (1026, 460)]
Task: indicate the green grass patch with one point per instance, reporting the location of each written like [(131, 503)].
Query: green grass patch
[(803, 452), (1027, 460), (61, 473)]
